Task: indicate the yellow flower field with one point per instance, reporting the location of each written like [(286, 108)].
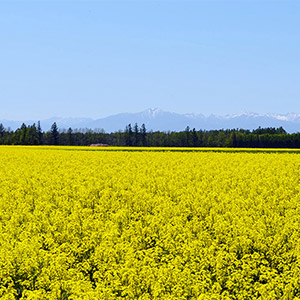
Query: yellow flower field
[(81, 223)]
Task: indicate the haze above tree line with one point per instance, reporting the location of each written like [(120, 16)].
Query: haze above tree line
[(139, 136)]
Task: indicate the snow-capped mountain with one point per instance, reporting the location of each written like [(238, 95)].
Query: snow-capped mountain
[(157, 119)]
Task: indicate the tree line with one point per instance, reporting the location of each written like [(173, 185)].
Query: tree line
[(138, 136)]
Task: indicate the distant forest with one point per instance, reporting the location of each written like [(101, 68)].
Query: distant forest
[(140, 136)]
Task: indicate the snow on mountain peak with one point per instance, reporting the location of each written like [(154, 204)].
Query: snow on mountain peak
[(152, 112), (287, 117), (243, 114)]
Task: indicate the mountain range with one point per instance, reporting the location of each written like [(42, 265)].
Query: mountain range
[(157, 119)]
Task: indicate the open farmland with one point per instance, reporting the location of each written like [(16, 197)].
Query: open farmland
[(82, 223)]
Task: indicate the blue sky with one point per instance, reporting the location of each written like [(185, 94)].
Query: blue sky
[(97, 58)]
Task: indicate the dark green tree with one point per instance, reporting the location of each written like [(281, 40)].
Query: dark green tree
[(2, 131), (143, 135), (234, 139), (40, 133), (128, 135), (136, 135), (187, 137), (32, 137), (70, 136), (194, 138), (54, 134), (23, 131)]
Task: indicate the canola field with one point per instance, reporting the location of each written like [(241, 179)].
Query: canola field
[(83, 224)]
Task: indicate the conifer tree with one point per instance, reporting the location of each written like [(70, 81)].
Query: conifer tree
[(136, 135), (40, 133), (70, 136), (54, 134), (23, 130), (187, 136), (194, 138), (128, 135), (2, 130), (143, 135)]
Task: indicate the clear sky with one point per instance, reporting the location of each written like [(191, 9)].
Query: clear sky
[(97, 58)]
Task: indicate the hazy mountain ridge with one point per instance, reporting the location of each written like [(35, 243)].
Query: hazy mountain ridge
[(156, 119)]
